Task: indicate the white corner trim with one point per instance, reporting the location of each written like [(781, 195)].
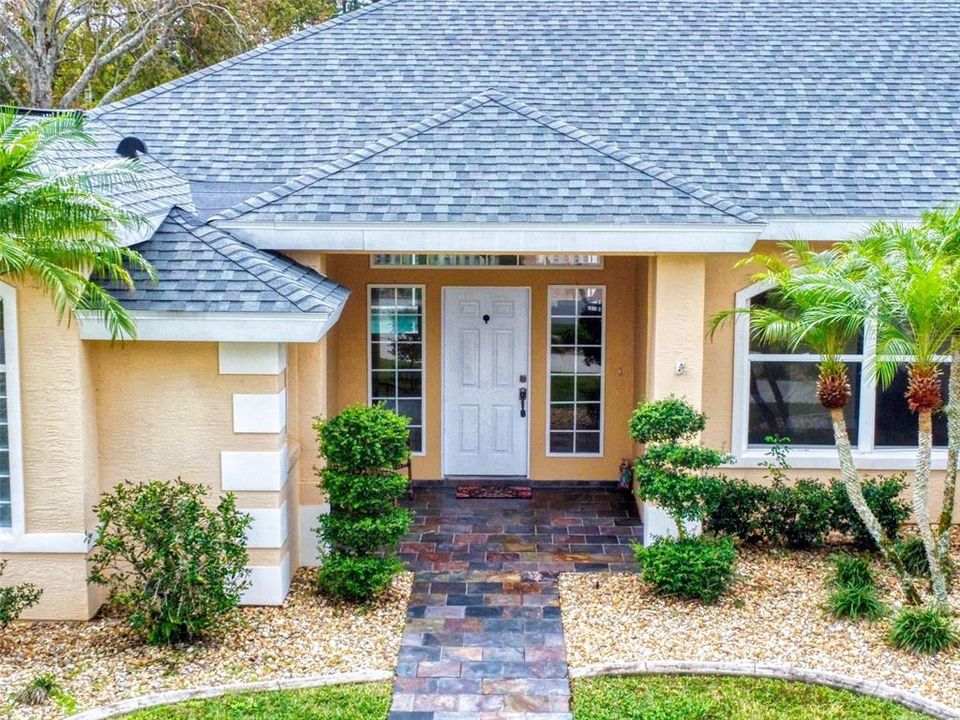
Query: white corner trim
[(658, 524), (46, 543), (254, 471), (269, 528), (503, 238), (217, 327), (309, 555), (260, 412), (269, 584), (252, 358)]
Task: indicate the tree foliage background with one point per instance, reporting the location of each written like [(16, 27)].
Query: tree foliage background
[(79, 53)]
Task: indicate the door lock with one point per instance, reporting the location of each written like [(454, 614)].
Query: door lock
[(523, 401)]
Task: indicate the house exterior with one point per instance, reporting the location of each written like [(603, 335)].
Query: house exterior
[(508, 221)]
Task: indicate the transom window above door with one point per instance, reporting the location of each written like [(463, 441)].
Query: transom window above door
[(575, 419), (776, 395), (396, 343), (482, 261)]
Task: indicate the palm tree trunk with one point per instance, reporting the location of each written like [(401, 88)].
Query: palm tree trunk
[(921, 510), (851, 482), (945, 525)]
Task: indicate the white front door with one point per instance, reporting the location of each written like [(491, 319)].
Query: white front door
[(485, 366)]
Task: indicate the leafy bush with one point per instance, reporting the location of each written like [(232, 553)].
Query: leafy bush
[(923, 630), (694, 567), (854, 595), (363, 447), (175, 565), (798, 516), (913, 555), (883, 496), (672, 470), (737, 508), (14, 600)]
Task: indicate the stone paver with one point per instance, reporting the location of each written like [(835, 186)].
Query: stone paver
[(483, 638)]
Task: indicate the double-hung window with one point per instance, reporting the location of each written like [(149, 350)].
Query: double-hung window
[(396, 354), (575, 418), (776, 395)]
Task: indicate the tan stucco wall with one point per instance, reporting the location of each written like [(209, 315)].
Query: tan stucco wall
[(619, 275)]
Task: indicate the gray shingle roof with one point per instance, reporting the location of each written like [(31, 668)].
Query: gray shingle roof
[(203, 269), (489, 159), (787, 107)]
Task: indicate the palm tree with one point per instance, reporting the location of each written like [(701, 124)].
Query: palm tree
[(944, 225), (795, 319), (906, 281), (58, 226)]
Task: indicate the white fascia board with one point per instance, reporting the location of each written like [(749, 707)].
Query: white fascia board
[(501, 237), (822, 229), (218, 327)]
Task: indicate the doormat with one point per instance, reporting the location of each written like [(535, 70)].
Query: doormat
[(494, 492)]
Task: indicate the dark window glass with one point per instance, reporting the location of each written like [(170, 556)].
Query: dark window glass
[(396, 354), (576, 367), (895, 425), (783, 401)]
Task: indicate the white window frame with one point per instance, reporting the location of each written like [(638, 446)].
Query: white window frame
[(603, 371), (8, 296), (866, 455), (546, 266), (423, 360)]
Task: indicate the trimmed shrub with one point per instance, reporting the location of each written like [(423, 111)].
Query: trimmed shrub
[(737, 508), (363, 447), (672, 470), (883, 496), (854, 595), (798, 516), (15, 599), (173, 564), (694, 567), (923, 630)]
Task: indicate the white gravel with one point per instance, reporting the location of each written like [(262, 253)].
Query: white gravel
[(775, 613), (103, 661)]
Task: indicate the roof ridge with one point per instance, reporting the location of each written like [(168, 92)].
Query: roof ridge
[(354, 157), (177, 214), (257, 51), (608, 149)]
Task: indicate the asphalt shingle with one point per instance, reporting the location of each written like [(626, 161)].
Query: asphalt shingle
[(793, 107)]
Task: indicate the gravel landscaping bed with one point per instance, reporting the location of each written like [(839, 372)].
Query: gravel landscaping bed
[(775, 613), (103, 661)]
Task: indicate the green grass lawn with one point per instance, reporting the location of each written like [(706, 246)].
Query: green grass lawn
[(334, 702), (652, 697)]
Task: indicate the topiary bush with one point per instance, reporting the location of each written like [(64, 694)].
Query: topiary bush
[(173, 564), (854, 593), (15, 599), (363, 447), (884, 498), (694, 567), (926, 631), (673, 470)]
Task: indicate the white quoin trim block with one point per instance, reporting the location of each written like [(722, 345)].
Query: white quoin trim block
[(256, 471), (269, 584), (269, 528), (260, 413), (309, 555), (252, 358), (657, 524)]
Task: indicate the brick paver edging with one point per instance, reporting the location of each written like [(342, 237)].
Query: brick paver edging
[(776, 672), (122, 707)]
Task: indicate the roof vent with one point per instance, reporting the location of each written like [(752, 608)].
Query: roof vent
[(131, 147)]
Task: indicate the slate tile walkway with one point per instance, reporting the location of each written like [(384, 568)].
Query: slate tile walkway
[(483, 638)]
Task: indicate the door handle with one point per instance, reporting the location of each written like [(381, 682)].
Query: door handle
[(523, 401)]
